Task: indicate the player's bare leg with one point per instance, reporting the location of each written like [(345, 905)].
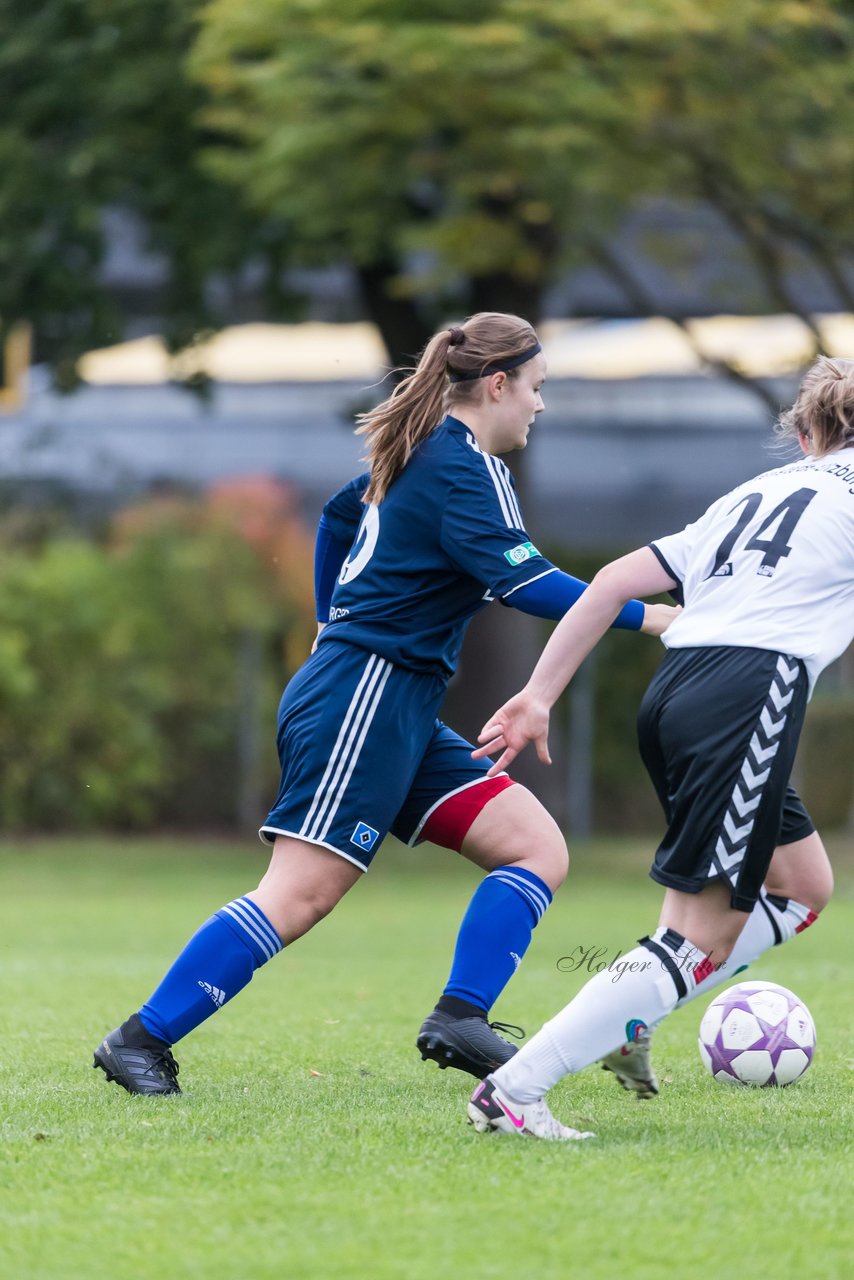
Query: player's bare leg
[(522, 850), (514, 829), (302, 885), (797, 887)]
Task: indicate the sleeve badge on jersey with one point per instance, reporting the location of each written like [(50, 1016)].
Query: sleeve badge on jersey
[(524, 551)]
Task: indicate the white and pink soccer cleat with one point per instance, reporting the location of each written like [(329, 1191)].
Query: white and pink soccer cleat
[(491, 1111)]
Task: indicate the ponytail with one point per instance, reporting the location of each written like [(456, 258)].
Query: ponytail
[(447, 372), (824, 409), (415, 407)]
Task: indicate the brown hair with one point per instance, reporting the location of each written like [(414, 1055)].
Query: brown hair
[(419, 402), (824, 409)]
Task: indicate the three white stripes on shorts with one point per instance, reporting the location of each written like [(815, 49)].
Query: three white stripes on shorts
[(348, 746)]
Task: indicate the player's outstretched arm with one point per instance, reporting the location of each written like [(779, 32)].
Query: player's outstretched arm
[(658, 617), (525, 717), (522, 720), (551, 594)]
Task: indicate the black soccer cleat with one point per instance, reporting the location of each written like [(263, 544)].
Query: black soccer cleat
[(469, 1044), (140, 1068)]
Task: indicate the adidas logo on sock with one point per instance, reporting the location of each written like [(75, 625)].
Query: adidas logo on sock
[(215, 994)]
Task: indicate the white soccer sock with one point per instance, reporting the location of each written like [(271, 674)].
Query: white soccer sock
[(772, 922), (633, 994)]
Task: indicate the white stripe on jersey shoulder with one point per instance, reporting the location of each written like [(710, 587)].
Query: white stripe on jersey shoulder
[(528, 581), (500, 476)]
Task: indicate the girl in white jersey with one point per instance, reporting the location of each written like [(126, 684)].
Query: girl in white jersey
[(767, 576)]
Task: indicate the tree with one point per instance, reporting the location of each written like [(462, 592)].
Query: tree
[(405, 141), (459, 156), (100, 113), (749, 111)]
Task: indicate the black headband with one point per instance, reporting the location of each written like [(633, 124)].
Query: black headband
[(495, 366)]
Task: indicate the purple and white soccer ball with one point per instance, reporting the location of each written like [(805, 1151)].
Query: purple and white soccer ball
[(757, 1033)]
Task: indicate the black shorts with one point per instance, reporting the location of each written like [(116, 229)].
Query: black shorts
[(718, 729)]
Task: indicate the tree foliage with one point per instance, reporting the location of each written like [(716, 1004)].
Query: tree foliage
[(99, 112), (457, 156), (120, 680), (467, 152)]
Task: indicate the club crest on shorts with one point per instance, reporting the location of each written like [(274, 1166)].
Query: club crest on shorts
[(364, 837)]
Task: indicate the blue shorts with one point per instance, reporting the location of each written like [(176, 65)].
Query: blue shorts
[(362, 753)]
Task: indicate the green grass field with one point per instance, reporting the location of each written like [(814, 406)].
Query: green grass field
[(311, 1141)]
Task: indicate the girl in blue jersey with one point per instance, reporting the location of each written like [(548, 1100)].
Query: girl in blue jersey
[(406, 555)]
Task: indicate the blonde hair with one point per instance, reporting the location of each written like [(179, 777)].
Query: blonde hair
[(824, 409), (420, 401)]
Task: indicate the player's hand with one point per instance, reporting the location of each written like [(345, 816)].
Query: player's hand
[(512, 727), (658, 617)]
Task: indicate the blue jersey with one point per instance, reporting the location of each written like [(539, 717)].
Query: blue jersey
[(447, 539)]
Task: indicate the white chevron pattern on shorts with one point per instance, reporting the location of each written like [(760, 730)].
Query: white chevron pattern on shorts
[(744, 806), (771, 727), (736, 834), (779, 700), (753, 780), (739, 818), (787, 669), (762, 753)]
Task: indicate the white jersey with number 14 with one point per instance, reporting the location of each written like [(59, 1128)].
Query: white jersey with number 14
[(771, 565)]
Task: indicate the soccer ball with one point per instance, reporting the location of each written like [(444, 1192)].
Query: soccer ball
[(757, 1033)]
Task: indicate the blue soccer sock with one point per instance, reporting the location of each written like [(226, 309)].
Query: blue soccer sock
[(217, 962), (495, 934)]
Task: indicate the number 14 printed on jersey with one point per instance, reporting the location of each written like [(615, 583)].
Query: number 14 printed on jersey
[(785, 515)]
